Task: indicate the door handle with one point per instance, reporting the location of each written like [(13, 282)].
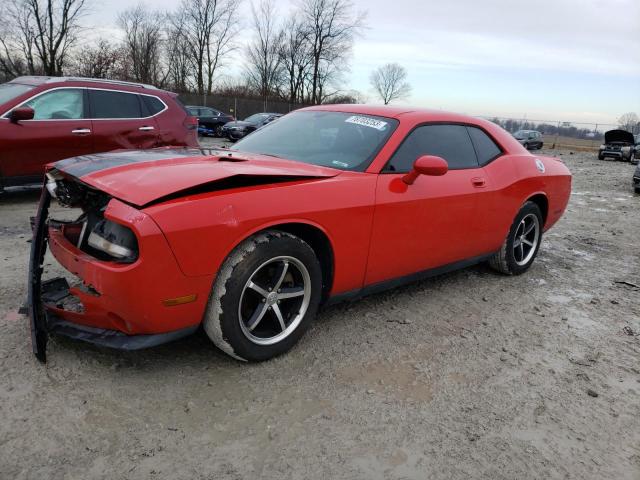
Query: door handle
[(478, 182), (81, 131), (146, 129)]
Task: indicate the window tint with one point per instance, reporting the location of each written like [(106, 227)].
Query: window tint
[(153, 104), (486, 149), (58, 105), (450, 142), (107, 104)]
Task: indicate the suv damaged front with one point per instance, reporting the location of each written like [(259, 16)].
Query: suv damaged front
[(619, 145), (110, 301)]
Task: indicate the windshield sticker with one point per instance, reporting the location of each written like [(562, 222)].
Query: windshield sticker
[(367, 122), (340, 164)]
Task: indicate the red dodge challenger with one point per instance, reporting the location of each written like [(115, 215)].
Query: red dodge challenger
[(328, 203)]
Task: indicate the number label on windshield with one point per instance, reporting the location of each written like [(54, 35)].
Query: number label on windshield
[(367, 122)]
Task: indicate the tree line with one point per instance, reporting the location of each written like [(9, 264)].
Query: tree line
[(300, 56)]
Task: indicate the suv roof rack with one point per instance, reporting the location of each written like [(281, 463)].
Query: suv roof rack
[(100, 80)]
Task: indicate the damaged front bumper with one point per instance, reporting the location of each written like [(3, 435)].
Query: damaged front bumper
[(119, 306)]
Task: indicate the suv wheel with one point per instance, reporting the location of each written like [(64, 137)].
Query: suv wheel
[(265, 296)]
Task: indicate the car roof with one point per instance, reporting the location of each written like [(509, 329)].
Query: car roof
[(406, 113), (42, 80)]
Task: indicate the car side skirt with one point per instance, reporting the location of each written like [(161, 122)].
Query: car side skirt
[(374, 288)]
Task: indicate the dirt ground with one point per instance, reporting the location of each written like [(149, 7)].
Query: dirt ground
[(468, 375)]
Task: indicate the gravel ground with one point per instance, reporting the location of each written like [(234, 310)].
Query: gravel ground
[(468, 375)]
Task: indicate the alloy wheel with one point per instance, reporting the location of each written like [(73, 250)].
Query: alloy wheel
[(526, 239), (274, 300)]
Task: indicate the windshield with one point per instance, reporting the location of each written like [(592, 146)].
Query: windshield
[(332, 139), (256, 118), (521, 134), (9, 91)]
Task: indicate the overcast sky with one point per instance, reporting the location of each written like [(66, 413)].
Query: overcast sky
[(573, 60)]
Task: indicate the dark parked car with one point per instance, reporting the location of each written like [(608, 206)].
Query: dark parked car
[(45, 119), (238, 129), (619, 145), (636, 156), (529, 139), (210, 120), (636, 179)]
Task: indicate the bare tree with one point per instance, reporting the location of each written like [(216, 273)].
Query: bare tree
[(18, 40), (295, 57), (332, 26), (208, 27), (102, 60), (143, 43), (178, 56), (630, 122), (389, 82), (264, 63), (44, 31)]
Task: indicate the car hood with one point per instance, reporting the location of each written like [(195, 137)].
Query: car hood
[(239, 123), (618, 136), (142, 177)]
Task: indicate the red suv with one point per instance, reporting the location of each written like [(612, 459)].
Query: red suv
[(44, 119)]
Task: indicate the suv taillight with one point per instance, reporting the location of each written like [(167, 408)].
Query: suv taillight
[(190, 123)]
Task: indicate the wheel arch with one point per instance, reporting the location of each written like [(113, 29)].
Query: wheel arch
[(541, 200), (317, 238)]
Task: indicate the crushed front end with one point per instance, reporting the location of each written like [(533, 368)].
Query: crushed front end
[(127, 290)]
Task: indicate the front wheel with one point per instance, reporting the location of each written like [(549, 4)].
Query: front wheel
[(265, 296), (522, 243)]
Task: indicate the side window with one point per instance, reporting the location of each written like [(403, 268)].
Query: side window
[(450, 142), (63, 104), (486, 149), (153, 104), (108, 104)]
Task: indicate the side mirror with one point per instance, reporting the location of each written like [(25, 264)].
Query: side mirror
[(426, 165), (21, 113)]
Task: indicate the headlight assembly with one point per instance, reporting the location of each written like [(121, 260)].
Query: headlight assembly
[(115, 240)]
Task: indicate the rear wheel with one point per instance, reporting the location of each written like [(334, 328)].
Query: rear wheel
[(521, 246), (219, 132), (265, 296), (526, 145)]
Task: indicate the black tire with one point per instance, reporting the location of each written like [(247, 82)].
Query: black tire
[(600, 157), (218, 131), (250, 263), (637, 189), (526, 145), (505, 260)]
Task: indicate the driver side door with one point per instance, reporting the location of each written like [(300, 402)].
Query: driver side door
[(58, 130), (433, 222)]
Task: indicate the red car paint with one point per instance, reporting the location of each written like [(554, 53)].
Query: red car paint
[(28, 145), (379, 227)]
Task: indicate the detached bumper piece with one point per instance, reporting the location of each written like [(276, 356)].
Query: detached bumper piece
[(50, 302)]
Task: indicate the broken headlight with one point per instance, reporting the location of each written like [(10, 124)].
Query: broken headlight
[(114, 240)]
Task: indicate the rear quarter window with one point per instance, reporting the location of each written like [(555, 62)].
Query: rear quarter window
[(486, 148), (153, 104)]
